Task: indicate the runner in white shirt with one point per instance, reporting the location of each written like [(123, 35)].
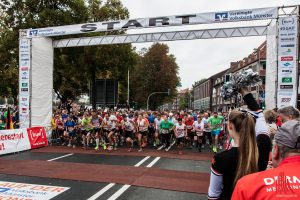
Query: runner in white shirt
[(128, 127), (197, 127), (180, 132), (111, 126), (157, 122), (206, 130), (142, 124)]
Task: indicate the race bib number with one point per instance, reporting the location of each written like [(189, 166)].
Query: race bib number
[(164, 131), (199, 133), (189, 127)]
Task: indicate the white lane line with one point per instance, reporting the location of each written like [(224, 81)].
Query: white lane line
[(61, 157), (125, 187), (153, 162), (102, 191), (119, 192), (142, 161)]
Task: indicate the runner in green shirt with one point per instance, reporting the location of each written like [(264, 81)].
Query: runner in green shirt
[(165, 127), (87, 128), (215, 123)]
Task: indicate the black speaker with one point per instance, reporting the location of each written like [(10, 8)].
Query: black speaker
[(106, 92)]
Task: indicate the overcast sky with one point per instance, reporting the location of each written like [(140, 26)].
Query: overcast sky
[(199, 59)]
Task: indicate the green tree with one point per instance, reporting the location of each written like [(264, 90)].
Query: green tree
[(74, 68), (156, 71)]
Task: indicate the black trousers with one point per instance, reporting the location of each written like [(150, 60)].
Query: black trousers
[(208, 134), (166, 139)]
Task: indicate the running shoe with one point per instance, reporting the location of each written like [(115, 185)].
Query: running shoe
[(74, 146), (140, 150), (220, 147), (161, 147), (167, 149), (97, 148), (173, 142), (104, 147), (110, 148), (215, 149), (129, 150), (69, 145)]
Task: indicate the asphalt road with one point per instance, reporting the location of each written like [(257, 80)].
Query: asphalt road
[(107, 190)]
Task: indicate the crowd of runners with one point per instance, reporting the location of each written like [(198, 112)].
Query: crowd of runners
[(138, 129)]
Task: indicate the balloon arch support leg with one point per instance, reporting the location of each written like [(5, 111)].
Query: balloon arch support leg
[(36, 51)]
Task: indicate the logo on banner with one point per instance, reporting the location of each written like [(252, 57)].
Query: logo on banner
[(287, 58), (33, 32), (24, 110), (24, 99), (37, 137), (287, 45), (24, 104), (24, 63), (288, 21), (223, 16), (287, 72), (287, 28), (287, 79), (287, 39), (286, 64), (286, 86), (24, 89), (24, 42), (24, 68), (25, 73), (285, 100), (24, 84), (24, 59), (25, 191), (287, 52)]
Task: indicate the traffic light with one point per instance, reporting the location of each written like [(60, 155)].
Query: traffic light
[(169, 92)]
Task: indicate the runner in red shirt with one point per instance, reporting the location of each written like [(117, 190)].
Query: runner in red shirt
[(190, 134), (282, 182)]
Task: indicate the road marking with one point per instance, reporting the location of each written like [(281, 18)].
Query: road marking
[(102, 191), (125, 187), (153, 162), (142, 161), (61, 157), (119, 192)]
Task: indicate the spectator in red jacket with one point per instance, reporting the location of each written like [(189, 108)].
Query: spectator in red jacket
[(283, 181)]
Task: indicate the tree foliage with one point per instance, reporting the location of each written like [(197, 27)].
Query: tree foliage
[(73, 67), (156, 71)]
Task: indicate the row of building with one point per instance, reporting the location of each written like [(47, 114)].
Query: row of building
[(206, 94)]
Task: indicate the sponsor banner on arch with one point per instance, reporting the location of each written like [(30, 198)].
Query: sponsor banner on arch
[(287, 61), (15, 140), (162, 21)]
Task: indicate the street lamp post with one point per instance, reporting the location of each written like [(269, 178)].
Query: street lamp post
[(168, 92)]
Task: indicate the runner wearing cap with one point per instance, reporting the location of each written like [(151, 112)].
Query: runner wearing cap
[(283, 181)]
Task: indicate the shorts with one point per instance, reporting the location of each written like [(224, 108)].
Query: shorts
[(72, 134), (179, 140), (96, 129), (143, 133), (216, 132), (129, 134)]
